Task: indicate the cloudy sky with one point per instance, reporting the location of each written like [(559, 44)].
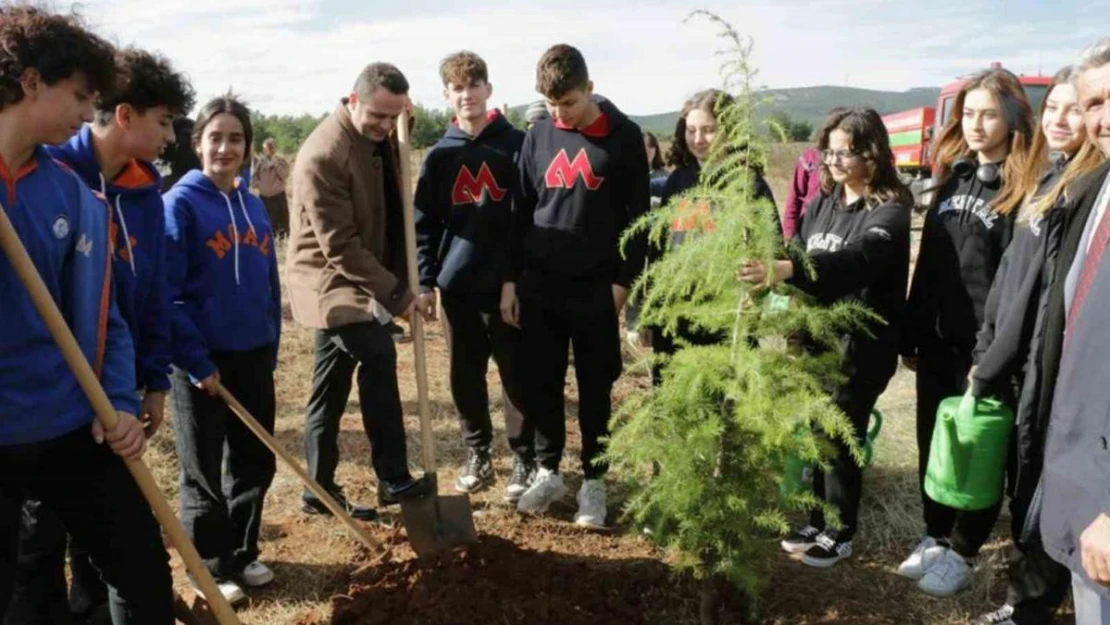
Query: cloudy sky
[(295, 56)]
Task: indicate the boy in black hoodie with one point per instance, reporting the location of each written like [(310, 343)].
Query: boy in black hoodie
[(584, 179), (463, 205)]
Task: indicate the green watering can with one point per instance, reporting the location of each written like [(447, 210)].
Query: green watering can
[(798, 477), (967, 460)]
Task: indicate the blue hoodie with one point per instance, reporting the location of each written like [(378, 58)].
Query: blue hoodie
[(64, 228), (138, 234), (223, 274)]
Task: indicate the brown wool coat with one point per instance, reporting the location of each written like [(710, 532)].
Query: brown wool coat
[(346, 242)]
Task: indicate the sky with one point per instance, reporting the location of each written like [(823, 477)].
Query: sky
[(301, 56)]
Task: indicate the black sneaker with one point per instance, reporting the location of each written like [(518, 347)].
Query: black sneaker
[(828, 551), (524, 473), (1001, 616), (477, 473), (410, 488), (800, 540), (312, 505)]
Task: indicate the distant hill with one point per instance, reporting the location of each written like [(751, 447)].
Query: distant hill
[(810, 104)]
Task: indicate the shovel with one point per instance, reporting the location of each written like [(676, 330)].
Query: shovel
[(434, 523), (106, 413), (271, 443)]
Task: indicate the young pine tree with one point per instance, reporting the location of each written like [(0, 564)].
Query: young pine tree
[(725, 417)]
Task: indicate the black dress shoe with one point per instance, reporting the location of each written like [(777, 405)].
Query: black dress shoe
[(393, 493), (316, 506)]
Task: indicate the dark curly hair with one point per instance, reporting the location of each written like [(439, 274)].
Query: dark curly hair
[(145, 80), (870, 142), (57, 46), (561, 70)]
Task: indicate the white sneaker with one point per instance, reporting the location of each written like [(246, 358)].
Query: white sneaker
[(257, 574), (545, 490), (923, 556), (947, 576), (591, 505), (231, 591)]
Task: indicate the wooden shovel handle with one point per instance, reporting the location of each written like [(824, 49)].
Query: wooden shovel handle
[(106, 414), (417, 322), (254, 426)]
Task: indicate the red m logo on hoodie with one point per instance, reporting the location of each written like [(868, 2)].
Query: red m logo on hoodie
[(468, 187), (563, 173)]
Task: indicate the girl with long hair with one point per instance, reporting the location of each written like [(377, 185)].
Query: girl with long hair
[(695, 144), (856, 236), (1012, 327), (983, 155)]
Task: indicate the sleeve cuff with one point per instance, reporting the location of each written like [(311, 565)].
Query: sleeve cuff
[(201, 370), (398, 299)]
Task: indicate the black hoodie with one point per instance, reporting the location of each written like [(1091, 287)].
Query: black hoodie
[(962, 243), (580, 189), (463, 207), (858, 253), (1010, 311)]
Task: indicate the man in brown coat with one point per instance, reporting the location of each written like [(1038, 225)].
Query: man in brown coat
[(346, 279)]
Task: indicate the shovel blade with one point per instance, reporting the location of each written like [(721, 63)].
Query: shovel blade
[(437, 523)]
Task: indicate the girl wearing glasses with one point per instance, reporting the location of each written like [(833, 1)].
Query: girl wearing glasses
[(982, 156), (856, 235)]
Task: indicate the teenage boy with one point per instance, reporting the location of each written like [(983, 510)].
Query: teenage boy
[(114, 156), (463, 207), (584, 179), (51, 69)]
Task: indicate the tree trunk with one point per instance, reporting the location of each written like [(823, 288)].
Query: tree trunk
[(710, 601)]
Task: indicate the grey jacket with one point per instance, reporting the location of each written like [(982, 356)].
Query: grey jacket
[(1076, 485)]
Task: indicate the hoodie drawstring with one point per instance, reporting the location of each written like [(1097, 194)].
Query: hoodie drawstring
[(122, 225), (235, 228)]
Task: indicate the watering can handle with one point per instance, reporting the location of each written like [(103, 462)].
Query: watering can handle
[(966, 410), (876, 425)]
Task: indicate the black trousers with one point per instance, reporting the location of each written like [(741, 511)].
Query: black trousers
[(225, 469), (87, 490), (40, 585), (475, 331), (369, 348), (842, 484), (1036, 584), (941, 373), (553, 321)]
